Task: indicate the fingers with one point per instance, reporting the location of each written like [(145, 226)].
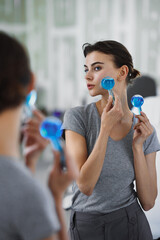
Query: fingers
[(36, 120), (32, 134), (111, 114), (117, 108), (38, 114), (143, 125), (30, 149), (143, 118), (31, 126), (117, 102), (109, 104)]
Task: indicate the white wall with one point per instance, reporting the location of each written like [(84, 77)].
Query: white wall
[(54, 31)]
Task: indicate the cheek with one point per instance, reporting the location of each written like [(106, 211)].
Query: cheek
[(111, 72), (117, 88), (101, 75), (105, 73)]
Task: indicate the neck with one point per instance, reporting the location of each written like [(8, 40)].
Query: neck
[(9, 132), (127, 112), (123, 98)]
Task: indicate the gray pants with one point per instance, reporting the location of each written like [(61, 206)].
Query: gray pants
[(129, 223)]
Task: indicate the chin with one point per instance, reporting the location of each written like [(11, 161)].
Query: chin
[(92, 94)]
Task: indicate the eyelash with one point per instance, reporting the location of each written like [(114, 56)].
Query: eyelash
[(97, 68)]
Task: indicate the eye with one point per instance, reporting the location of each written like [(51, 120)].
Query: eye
[(97, 68), (86, 70)]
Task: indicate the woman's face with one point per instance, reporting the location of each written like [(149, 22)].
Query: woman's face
[(99, 65)]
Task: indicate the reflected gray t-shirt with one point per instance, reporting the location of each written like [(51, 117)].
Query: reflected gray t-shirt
[(27, 211), (114, 188)]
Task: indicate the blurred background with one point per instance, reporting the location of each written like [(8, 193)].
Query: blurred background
[(54, 31)]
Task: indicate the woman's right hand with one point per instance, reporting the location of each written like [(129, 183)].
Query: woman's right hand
[(111, 115)]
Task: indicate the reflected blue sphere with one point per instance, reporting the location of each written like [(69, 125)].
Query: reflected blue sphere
[(51, 128), (137, 101), (107, 83)]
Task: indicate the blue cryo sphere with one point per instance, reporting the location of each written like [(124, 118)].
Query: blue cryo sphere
[(137, 101), (107, 83), (51, 128), (31, 98)]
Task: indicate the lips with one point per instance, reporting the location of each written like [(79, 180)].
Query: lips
[(90, 86)]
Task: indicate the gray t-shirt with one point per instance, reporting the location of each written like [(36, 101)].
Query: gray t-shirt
[(114, 188), (27, 211)]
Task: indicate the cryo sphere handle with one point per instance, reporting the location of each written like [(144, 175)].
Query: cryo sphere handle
[(30, 103)]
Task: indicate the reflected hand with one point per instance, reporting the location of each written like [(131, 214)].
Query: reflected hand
[(59, 180), (34, 143)]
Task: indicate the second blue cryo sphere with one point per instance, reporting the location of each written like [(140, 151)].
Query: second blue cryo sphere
[(137, 100)]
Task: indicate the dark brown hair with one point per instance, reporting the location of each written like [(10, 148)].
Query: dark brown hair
[(121, 55), (15, 74)]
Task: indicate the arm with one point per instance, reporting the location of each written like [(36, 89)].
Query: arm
[(90, 167), (53, 237), (58, 182), (145, 169)]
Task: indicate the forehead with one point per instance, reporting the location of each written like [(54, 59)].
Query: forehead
[(98, 57)]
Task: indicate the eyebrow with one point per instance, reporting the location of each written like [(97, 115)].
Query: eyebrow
[(94, 64)]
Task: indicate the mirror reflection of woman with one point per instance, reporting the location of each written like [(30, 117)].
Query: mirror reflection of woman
[(112, 147)]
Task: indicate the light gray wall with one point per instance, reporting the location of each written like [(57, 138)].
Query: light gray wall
[(55, 30)]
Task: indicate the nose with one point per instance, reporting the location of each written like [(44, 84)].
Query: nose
[(89, 75)]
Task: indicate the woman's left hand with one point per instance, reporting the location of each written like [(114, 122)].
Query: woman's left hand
[(34, 142), (142, 130)]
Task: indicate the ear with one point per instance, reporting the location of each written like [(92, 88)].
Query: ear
[(32, 83), (123, 72)]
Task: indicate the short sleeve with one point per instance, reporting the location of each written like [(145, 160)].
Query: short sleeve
[(36, 218), (74, 119), (152, 143)]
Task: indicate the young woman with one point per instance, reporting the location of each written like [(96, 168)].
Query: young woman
[(112, 147)]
